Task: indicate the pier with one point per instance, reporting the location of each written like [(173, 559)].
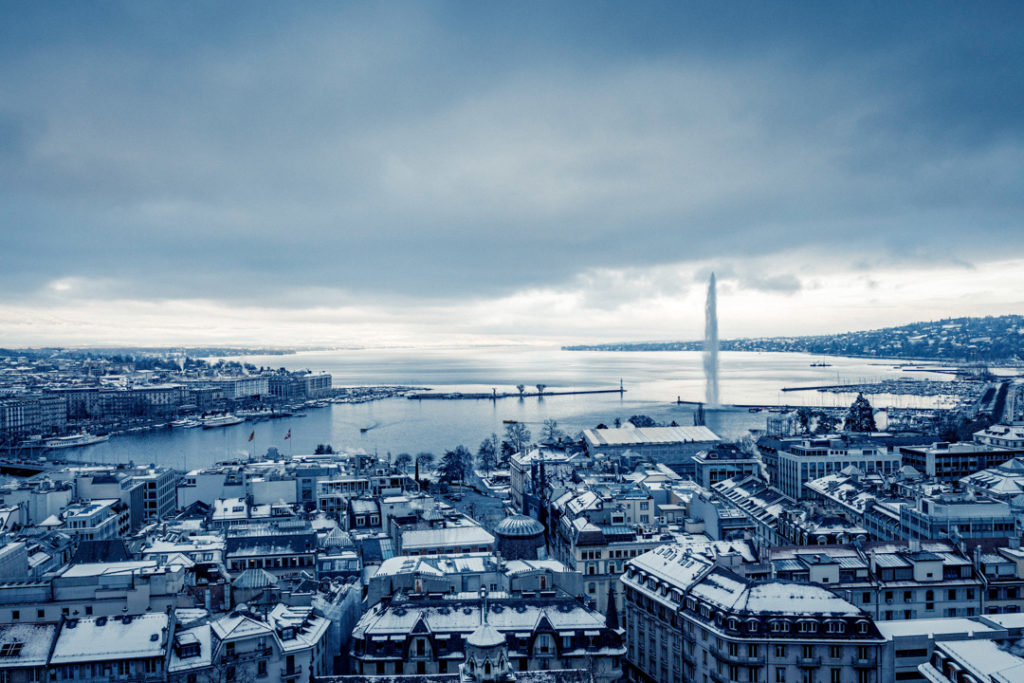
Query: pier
[(494, 395)]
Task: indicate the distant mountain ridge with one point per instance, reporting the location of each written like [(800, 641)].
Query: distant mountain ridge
[(992, 338)]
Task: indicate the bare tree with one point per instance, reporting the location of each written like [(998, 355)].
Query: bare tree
[(551, 433), (402, 462)]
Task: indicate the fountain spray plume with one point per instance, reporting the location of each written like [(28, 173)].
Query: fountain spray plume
[(711, 346)]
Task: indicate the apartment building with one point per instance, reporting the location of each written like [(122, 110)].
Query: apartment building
[(688, 619)]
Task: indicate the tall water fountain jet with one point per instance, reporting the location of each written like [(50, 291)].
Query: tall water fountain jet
[(711, 346)]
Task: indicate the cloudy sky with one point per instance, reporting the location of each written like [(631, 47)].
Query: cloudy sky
[(391, 173)]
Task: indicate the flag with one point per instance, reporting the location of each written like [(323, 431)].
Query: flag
[(252, 435), (288, 435)]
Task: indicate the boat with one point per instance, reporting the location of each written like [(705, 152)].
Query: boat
[(185, 424), (75, 440), (821, 365), (221, 421)]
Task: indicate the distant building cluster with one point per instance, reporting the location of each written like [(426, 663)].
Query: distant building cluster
[(46, 397)]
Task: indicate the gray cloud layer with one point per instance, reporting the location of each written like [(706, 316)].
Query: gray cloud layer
[(448, 152)]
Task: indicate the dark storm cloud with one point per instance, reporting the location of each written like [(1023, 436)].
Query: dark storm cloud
[(444, 151)]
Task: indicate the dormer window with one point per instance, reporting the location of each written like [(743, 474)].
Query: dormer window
[(807, 626), (779, 626), (753, 625), (862, 627)]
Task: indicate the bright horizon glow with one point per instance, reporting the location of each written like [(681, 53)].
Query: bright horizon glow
[(665, 304)]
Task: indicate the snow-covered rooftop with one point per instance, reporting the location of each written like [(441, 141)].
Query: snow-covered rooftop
[(111, 638), (628, 435), (25, 645), (448, 537)]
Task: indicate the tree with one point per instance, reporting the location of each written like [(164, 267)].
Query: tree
[(642, 421), (861, 416), (402, 462), (425, 461), (541, 388), (826, 423), (487, 454), (804, 417), (455, 464), (551, 433), (521, 388), (518, 436), (506, 453), (323, 449)]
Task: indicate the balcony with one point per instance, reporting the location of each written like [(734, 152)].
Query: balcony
[(808, 662), (738, 658), (293, 672), (719, 677), (864, 662), (263, 652)]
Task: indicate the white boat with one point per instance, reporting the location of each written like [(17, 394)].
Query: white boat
[(221, 421), (75, 440), (186, 424)]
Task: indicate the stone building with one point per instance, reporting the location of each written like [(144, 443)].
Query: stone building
[(688, 619)]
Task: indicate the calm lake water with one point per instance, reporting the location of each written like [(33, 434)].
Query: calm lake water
[(653, 381)]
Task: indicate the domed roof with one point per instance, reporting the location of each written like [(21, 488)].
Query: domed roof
[(485, 635), (519, 525)]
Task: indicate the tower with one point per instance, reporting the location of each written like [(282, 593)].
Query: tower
[(486, 653)]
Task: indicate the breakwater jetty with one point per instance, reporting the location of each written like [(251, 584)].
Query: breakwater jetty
[(494, 394)]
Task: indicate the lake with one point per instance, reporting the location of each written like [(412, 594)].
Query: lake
[(653, 381)]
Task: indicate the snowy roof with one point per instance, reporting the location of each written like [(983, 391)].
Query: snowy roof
[(24, 645), (107, 568), (436, 565), (938, 626), (254, 578), (111, 638), (628, 435), (308, 626), (202, 635), (445, 537), (524, 566), (485, 636), (238, 625), (720, 587), (463, 616), (984, 658)]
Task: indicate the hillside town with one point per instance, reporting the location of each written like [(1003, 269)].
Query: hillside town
[(816, 551)]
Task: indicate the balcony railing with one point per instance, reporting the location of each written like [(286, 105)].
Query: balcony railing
[(719, 677), (292, 672), (257, 653), (738, 658), (865, 662), (808, 661)]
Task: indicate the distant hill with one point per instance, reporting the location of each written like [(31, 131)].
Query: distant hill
[(998, 338)]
